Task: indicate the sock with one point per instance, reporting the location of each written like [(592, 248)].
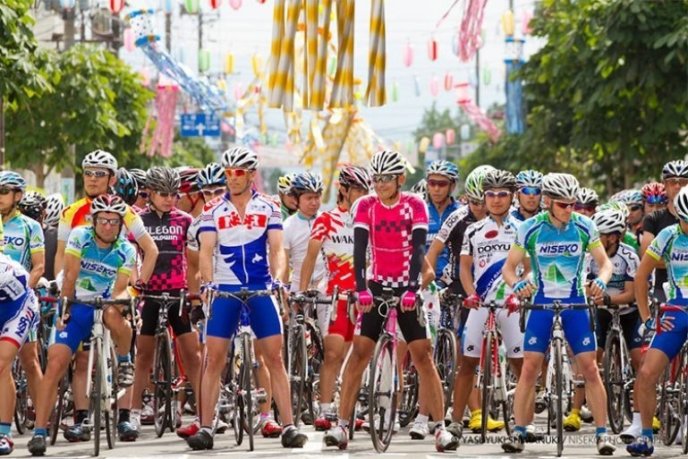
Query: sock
[(135, 414), (286, 427), (343, 423), (124, 415), (476, 412), (80, 416), (264, 416), (208, 430), (5, 429), (325, 407), (422, 418), (40, 432), (599, 431), (576, 411), (126, 358), (636, 419), (520, 431), (649, 433)]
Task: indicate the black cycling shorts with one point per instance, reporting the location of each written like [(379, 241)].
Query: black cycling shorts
[(372, 322), (151, 310), (629, 326)]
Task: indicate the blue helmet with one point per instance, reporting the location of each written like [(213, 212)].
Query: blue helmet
[(307, 182), (441, 167), (12, 180), (212, 174), (530, 178)]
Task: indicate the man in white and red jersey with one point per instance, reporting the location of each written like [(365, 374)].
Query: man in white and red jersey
[(333, 238), (396, 226)]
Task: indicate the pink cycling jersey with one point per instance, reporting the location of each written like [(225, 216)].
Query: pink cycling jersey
[(390, 231)]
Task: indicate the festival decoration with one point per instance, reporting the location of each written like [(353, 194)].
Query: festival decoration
[(434, 86), (408, 54), (475, 113), (215, 4), (469, 31), (229, 63), (432, 49), (116, 6), (128, 39), (448, 82), (438, 140), (191, 6), (525, 23), (235, 4), (450, 136)]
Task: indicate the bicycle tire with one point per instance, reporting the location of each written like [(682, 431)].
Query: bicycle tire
[(445, 361), (95, 396), (245, 374), (408, 408), (668, 409), (59, 409), (112, 402), (486, 381), (614, 382), (316, 357), (384, 360), (162, 384), (22, 398), (559, 393), (683, 394), (297, 371)]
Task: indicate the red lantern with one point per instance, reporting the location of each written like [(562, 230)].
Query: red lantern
[(408, 54), (450, 135), (434, 86), (448, 82), (116, 6), (215, 4), (438, 140), (432, 49)]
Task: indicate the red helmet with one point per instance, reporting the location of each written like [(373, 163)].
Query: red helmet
[(654, 193), (187, 177)]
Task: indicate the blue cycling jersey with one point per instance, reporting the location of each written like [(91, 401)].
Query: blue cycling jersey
[(671, 245), (23, 238), (434, 226)]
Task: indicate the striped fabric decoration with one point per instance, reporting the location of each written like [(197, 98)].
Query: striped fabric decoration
[(343, 86), (375, 93), (281, 82), (319, 81)]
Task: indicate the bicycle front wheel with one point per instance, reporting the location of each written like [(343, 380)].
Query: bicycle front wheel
[(60, 408), (559, 394), (22, 401), (613, 381), (162, 384), (111, 399), (668, 407), (486, 381), (246, 387), (96, 402), (445, 361), (298, 359), (382, 396)]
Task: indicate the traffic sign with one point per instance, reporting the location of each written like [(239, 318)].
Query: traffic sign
[(200, 125)]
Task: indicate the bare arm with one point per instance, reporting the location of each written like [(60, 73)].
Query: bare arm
[(278, 262), (72, 266), (647, 265), (625, 297), (208, 240), (308, 265), (150, 256), (466, 274), (119, 290), (59, 256), (515, 257), (38, 266), (192, 279), (427, 274), (434, 253), (603, 261), (287, 271)]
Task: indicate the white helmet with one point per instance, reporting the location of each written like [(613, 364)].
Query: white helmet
[(681, 204), (676, 168), (588, 196), (100, 158), (610, 221), (240, 157), (560, 186), (108, 203), (53, 209), (387, 162)]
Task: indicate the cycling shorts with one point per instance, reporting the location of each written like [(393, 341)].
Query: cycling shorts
[(629, 327), (576, 325), (431, 302), (18, 319), (340, 324), (225, 314), (370, 324), (151, 310), (78, 327), (463, 317), (508, 325), (671, 342)]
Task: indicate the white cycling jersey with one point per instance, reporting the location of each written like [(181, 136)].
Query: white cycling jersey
[(625, 263), (297, 233)]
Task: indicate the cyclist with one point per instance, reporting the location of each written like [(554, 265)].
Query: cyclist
[(18, 314), (396, 225), (421, 189), (53, 209), (287, 202), (674, 178), (587, 202), (126, 187), (332, 237), (486, 244), (529, 194), (671, 247), (168, 227), (142, 197), (655, 197), (98, 262), (242, 230), (32, 205), (189, 192), (556, 241)]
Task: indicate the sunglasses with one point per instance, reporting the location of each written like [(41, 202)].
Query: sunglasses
[(384, 178), (635, 207), (588, 207), (236, 172), (676, 181), (143, 194), (565, 205), (476, 203), (167, 194), (655, 199), (108, 221), (213, 192), (497, 194), (439, 183), (530, 191), (96, 174), (5, 190)]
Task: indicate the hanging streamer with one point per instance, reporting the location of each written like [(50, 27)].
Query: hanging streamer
[(375, 93)]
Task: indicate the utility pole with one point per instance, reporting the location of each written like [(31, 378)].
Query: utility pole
[(477, 77), (168, 32), (67, 180)]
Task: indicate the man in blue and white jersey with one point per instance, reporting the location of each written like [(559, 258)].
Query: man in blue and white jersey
[(528, 195), (670, 247), (241, 231), (556, 241)]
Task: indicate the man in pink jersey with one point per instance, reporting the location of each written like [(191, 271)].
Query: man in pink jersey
[(395, 224)]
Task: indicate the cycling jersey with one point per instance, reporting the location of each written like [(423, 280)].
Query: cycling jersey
[(632, 240), (435, 224), (79, 214), (557, 256), (625, 264), (192, 242), (99, 267), (335, 230), (671, 245), (297, 233), (489, 243), (18, 306), (516, 213), (653, 224), (241, 252), (23, 238), (451, 234), (390, 231), (169, 232), (50, 235)]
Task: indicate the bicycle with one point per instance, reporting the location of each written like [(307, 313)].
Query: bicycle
[(101, 389), (241, 396), (672, 384), (445, 350), (556, 368)]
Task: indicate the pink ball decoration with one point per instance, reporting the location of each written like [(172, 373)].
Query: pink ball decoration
[(448, 82), (432, 49), (235, 4), (438, 140), (450, 135), (525, 23), (128, 39), (215, 4), (408, 54), (434, 86)]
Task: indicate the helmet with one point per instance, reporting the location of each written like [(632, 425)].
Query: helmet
[(100, 158), (307, 182), (420, 188), (140, 177), (284, 183), (387, 162), (529, 177), (615, 205), (587, 196), (445, 168), (11, 179), (240, 157), (630, 197), (474, 182), (560, 186), (354, 176), (187, 178), (126, 186), (32, 205), (654, 193), (163, 179), (677, 168), (212, 174), (610, 221), (498, 178), (681, 204), (53, 209), (108, 203)]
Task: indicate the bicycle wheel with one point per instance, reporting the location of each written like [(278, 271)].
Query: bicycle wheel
[(60, 408), (96, 403), (408, 408), (683, 398), (559, 394), (162, 384), (22, 389), (445, 361), (316, 357), (111, 401), (613, 381), (382, 397), (297, 371), (669, 403), (486, 382), (245, 374)]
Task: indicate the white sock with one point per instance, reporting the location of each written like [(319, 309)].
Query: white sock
[(325, 408), (422, 418), (636, 419)]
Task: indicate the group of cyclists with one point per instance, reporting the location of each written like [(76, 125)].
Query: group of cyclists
[(510, 239)]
